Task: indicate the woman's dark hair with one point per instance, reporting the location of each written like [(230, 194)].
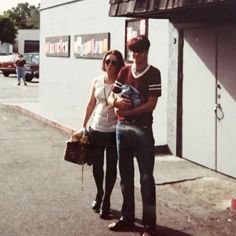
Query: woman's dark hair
[(118, 56)]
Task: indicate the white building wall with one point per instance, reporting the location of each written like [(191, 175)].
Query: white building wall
[(158, 33), (26, 34), (67, 81), (5, 48)]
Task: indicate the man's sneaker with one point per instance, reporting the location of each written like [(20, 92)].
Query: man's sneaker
[(18, 84), (121, 225), (149, 231), (25, 84)]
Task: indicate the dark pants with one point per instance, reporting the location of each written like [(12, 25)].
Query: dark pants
[(104, 141), (136, 141)]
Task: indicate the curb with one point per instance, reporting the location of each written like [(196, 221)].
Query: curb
[(55, 124)]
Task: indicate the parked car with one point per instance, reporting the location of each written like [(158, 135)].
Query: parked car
[(32, 65), (7, 64), (2, 56)]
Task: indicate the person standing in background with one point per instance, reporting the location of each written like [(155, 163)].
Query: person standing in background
[(20, 68), (102, 131)]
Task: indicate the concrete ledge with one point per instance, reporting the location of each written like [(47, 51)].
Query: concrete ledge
[(66, 129)]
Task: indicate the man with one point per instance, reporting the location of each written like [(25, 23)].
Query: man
[(135, 136)]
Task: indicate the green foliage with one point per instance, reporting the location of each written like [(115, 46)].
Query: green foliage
[(24, 16), (7, 30), (34, 18)]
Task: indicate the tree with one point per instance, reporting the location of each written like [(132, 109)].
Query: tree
[(24, 16), (34, 19), (7, 30)]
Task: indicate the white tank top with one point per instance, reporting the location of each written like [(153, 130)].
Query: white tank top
[(104, 119)]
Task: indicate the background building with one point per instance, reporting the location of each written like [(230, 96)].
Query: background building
[(27, 41), (5, 48)]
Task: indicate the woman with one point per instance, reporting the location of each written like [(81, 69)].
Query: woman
[(20, 68), (102, 131)]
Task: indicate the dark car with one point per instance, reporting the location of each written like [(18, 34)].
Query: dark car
[(32, 66), (7, 64)]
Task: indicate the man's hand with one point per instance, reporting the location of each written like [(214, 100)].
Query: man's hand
[(143, 108), (122, 104)]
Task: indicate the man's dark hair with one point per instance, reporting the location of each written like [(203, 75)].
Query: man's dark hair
[(138, 44)]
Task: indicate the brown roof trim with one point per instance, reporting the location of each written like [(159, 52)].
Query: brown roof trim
[(173, 9)]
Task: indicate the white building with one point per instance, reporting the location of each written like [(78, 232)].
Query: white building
[(27, 41), (5, 48)]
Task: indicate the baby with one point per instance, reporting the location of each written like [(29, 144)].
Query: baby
[(131, 93)]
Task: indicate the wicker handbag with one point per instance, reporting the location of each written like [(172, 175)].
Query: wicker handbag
[(76, 152)]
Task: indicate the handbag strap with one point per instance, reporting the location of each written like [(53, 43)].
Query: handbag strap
[(82, 177)]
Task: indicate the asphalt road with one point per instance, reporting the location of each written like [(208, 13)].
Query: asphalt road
[(42, 195)]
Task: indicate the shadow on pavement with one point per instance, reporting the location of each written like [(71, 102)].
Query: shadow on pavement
[(165, 231), (161, 230)]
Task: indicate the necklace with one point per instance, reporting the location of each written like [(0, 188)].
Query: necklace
[(104, 91)]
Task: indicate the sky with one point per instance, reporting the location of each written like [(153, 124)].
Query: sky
[(8, 4)]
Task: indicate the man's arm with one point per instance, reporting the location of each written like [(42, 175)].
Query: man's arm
[(145, 107), (118, 102)]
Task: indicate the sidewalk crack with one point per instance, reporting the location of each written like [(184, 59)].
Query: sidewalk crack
[(179, 181)]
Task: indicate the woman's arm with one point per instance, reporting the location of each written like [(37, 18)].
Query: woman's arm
[(15, 63), (90, 106)]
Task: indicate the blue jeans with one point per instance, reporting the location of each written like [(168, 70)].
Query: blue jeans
[(20, 71), (136, 141)]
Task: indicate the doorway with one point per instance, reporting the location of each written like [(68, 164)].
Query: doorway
[(209, 94)]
